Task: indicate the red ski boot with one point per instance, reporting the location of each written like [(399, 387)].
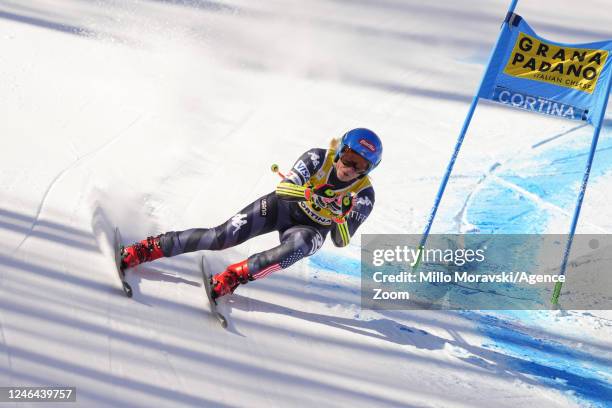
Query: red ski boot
[(226, 282), (146, 250)]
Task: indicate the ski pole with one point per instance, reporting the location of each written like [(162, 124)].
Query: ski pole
[(275, 169)]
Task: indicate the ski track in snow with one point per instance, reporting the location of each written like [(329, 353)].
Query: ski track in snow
[(59, 176)]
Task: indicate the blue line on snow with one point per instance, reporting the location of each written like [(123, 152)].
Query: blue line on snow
[(558, 366), (555, 177), (334, 263)]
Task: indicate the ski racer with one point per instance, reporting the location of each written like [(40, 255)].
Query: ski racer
[(326, 191)]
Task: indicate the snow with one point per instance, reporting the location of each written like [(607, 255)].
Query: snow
[(160, 115)]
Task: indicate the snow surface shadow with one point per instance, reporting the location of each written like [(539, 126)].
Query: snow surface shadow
[(75, 30), (242, 12), (46, 272), (52, 231), (590, 35), (405, 36), (50, 25), (76, 238), (75, 367), (255, 62), (293, 287), (171, 396), (153, 274), (530, 367), (31, 302), (496, 364), (207, 5), (468, 16), (206, 355), (471, 17), (251, 59), (382, 329), (412, 90)]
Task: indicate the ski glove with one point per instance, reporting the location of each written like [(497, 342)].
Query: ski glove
[(342, 206)]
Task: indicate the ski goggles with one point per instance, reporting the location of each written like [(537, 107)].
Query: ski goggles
[(354, 160)]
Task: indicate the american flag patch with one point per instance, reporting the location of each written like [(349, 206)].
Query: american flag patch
[(285, 263), (266, 271)]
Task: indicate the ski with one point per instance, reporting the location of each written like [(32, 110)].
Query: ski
[(208, 289), (127, 289)]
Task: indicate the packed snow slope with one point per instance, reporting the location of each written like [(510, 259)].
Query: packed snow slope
[(158, 115)]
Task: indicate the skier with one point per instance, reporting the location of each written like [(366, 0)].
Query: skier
[(325, 191)]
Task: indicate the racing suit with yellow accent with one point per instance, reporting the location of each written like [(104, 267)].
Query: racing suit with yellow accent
[(302, 226)]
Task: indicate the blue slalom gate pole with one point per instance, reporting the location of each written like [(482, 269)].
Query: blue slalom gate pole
[(464, 129), (585, 179)]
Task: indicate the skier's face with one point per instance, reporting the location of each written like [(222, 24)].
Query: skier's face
[(350, 166)]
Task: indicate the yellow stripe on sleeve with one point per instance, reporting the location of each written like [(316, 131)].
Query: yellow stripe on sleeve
[(290, 190), (344, 233)]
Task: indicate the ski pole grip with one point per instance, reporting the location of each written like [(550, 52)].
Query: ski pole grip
[(275, 169)]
